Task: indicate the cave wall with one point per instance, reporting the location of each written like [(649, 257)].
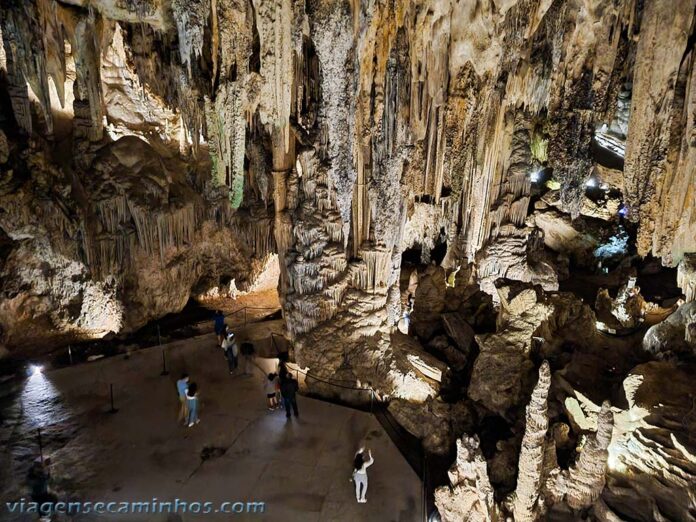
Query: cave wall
[(339, 134)]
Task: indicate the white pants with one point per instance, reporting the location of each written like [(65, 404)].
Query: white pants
[(360, 480)]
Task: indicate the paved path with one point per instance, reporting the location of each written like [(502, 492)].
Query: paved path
[(299, 468)]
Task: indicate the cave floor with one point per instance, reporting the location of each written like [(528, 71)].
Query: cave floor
[(239, 451)]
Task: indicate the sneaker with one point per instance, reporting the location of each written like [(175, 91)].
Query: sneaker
[(198, 420), (190, 425), (363, 501)]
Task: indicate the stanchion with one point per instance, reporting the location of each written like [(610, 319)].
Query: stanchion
[(164, 364), (111, 393), (159, 337), (70, 354), (38, 433)]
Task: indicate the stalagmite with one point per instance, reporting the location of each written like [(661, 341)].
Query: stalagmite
[(527, 504), (582, 484), (469, 498)]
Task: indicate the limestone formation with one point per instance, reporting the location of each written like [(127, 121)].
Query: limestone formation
[(470, 496), (686, 276), (673, 336), (502, 370), (583, 483), (527, 504)]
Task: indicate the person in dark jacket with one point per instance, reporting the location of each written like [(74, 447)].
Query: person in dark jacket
[(219, 320), (288, 391)]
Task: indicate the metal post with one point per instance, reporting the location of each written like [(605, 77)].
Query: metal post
[(245, 317), (38, 431), (164, 364), (159, 337), (70, 354), (111, 393)]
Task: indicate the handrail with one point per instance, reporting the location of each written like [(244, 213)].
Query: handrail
[(243, 309)]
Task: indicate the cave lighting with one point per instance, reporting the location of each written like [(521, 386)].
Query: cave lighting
[(623, 211), (535, 176), (36, 369), (591, 183)]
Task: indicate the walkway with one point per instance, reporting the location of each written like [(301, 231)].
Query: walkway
[(239, 452)]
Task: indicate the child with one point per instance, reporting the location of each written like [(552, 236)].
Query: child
[(269, 387)]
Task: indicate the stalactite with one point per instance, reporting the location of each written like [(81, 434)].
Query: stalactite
[(227, 128), (25, 63), (191, 18), (88, 105)]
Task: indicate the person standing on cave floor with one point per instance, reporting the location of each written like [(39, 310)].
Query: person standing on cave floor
[(182, 388), (192, 402), (269, 386), (247, 352), (231, 350), (288, 391), (360, 465), (219, 322)]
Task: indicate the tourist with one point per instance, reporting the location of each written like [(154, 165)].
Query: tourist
[(288, 391), (269, 387), (360, 465), (192, 400), (247, 352), (219, 320), (182, 387), (229, 346)]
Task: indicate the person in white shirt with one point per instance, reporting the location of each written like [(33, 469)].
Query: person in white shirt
[(229, 347), (360, 465)]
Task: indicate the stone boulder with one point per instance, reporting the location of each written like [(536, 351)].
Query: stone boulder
[(436, 423), (674, 336), (503, 370)]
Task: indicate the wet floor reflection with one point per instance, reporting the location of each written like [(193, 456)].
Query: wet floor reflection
[(41, 404)]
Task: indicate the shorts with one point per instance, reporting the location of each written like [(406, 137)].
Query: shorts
[(270, 395)]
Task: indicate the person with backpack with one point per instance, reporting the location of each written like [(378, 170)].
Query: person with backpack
[(231, 351), (192, 402), (288, 391), (360, 465)]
